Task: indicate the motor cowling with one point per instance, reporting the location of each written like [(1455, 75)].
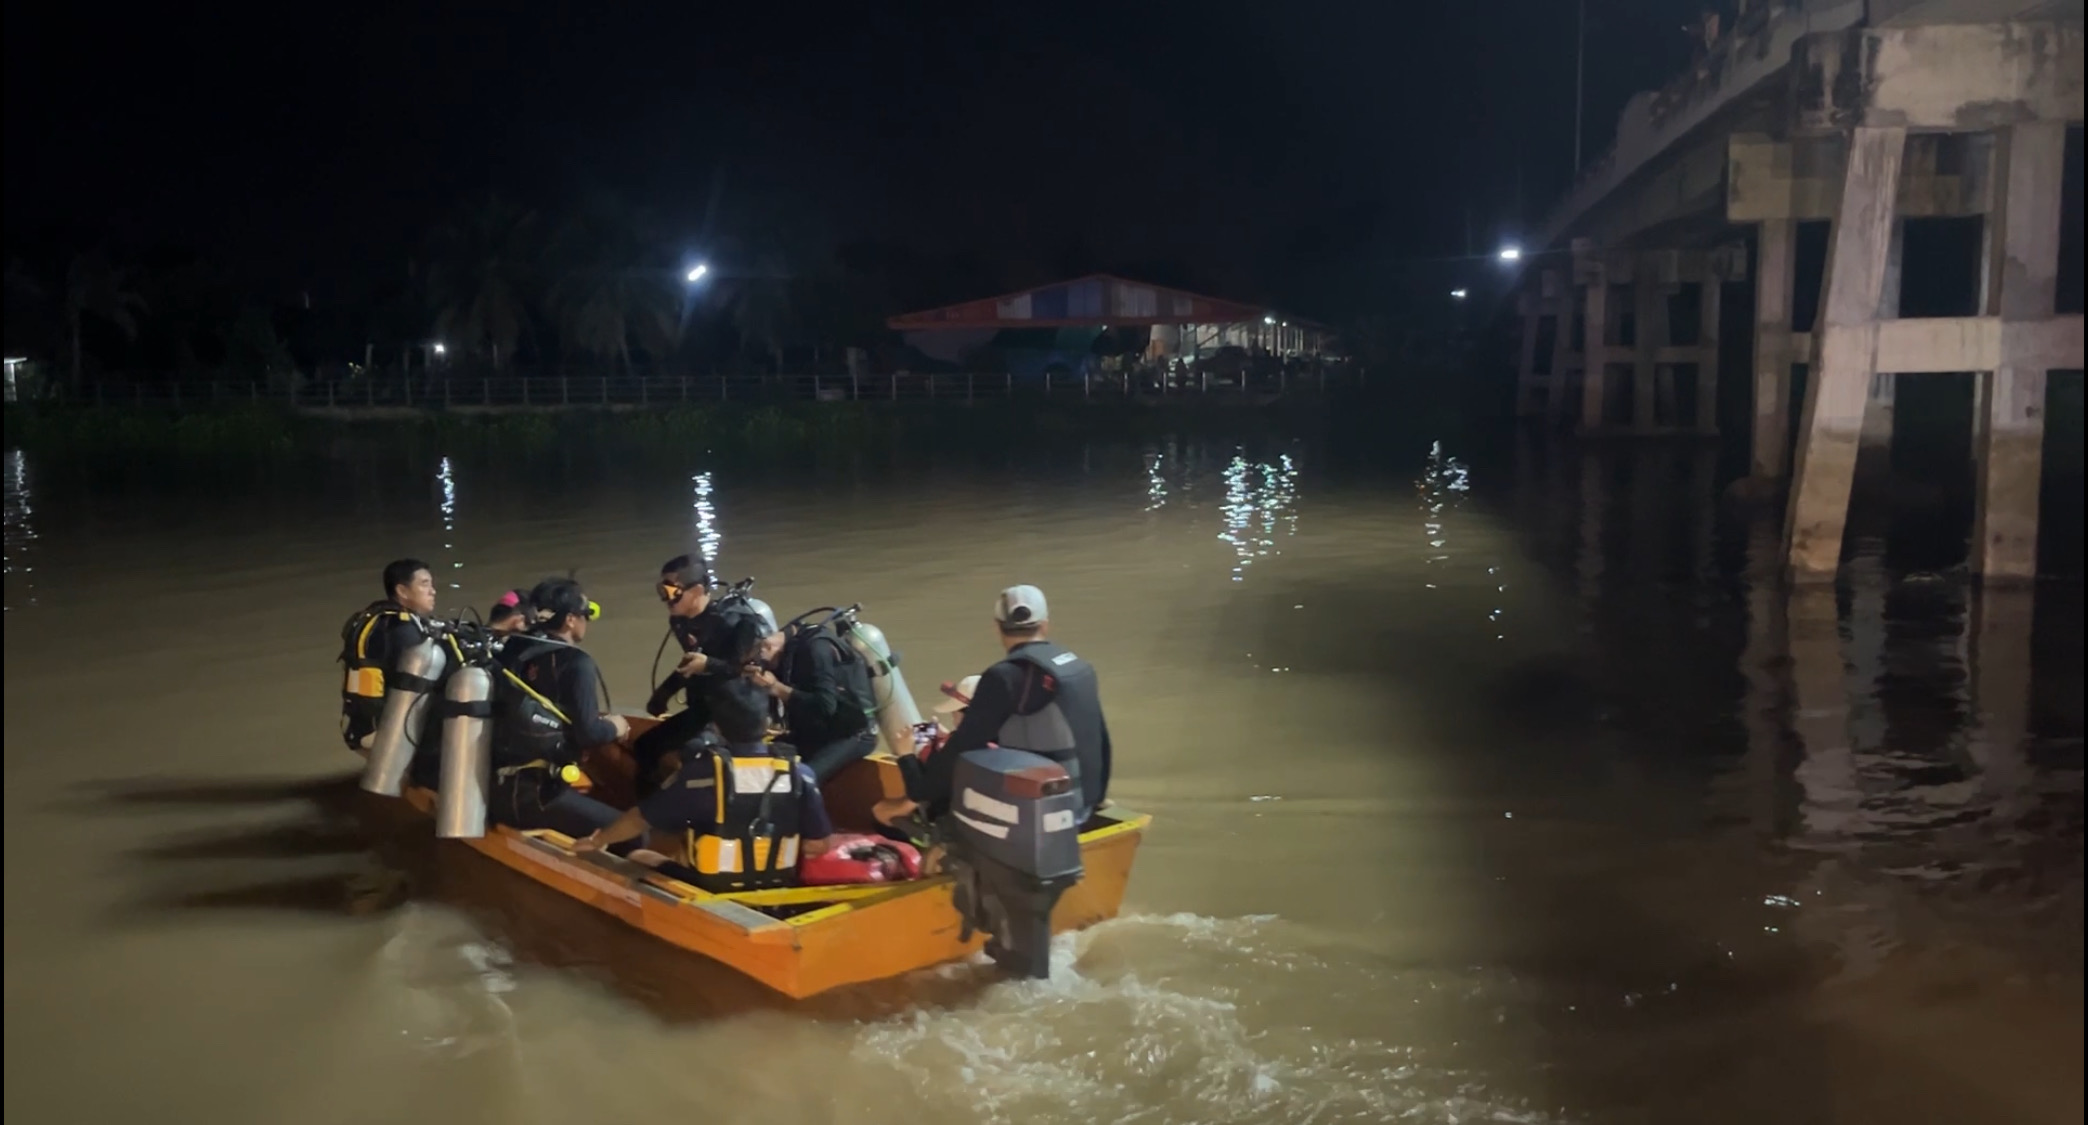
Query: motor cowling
[(897, 713), (1013, 847), (467, 754), (401, 727)]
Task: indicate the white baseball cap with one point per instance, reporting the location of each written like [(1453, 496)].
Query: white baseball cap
[(1021, 605), (960, 696)]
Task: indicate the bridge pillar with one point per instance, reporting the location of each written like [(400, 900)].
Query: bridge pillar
[(1567, 305), (1526, 384), (2020, 286), (1874, 447), (1844, 353), (1649, 309), (1775, 263), (1597, 335), (1709, 304)]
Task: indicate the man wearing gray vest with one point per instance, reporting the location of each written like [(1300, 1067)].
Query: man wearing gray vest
[(1040, 698)]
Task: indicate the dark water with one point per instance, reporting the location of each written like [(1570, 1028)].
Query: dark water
[(1487, 793)]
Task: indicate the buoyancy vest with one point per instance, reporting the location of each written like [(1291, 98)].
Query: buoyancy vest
[(366, 654), (529, 727), (858, 711), (752, 841), (725, 632), (1068, 728)]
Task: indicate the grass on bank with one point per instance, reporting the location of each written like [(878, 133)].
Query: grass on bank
[(265, 431)]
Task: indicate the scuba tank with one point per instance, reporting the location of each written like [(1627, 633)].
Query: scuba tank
[(399, 729), (761, 609), (897, 715), (742, 593), (467, 754)]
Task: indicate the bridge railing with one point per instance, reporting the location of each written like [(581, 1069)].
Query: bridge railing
[(552, 392)]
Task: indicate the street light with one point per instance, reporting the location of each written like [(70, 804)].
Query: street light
[(696, 272), (440, 350), (1511, 253), (1458, 293)]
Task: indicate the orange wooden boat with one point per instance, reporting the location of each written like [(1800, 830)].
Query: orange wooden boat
[(800, 941)]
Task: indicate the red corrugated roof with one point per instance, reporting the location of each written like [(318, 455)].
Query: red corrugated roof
[(1098, 299)]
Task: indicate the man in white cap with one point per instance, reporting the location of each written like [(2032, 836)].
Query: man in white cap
[(1041, 698), (950, 711)]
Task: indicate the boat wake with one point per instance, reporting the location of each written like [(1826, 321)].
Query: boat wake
[(1183, 1018)]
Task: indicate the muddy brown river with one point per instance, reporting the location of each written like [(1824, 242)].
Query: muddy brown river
[(1496, 792)]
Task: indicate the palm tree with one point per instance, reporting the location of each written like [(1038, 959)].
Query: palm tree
[(94, 286), (766, 309), (613, 288), (481, 275)]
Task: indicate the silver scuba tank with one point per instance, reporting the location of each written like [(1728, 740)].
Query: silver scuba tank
[(467, 755), (761, 609), (399, 728), (896, 712)]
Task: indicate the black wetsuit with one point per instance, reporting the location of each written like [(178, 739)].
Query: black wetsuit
[(728, 635), (827, 716), (530, 743)]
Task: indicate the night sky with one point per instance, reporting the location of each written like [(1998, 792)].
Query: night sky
[(1276, 152)]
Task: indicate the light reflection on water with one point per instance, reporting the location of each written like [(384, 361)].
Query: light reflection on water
[(1260, 502), (1782, 791), (446, 480), (708, 538), (21, 532)]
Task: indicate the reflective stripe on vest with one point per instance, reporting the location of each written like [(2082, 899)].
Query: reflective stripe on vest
[(753, 839)]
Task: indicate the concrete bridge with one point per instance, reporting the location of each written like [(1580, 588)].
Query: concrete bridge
[(1862, 113)]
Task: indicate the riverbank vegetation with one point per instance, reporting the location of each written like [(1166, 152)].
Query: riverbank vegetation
[(264, 431)]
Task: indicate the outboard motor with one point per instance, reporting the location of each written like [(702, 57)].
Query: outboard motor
[(1013, 849), (467, 754), (897, 715), (400, 728)]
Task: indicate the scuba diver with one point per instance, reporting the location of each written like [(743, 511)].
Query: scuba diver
[(1040, 698), (511, 614), (717, 638), (372, 640), (747, 811), (822, 692), (546, 712)]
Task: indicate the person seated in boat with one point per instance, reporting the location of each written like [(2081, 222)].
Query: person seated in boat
[(821, 692), (1040, 698), (511, 614), (744, 811), (373, 639), (950, 712), (716, 641), (546, 712)]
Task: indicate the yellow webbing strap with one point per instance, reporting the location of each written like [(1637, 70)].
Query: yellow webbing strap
[(536, 695)]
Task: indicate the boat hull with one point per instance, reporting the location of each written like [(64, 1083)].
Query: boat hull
[(832, 936)]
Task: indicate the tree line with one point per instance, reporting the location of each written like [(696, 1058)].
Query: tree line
[(497, 288)]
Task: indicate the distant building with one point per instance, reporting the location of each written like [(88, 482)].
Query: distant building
[(1073, 325)]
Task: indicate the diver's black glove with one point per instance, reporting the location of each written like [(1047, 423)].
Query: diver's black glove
[(661, 696)]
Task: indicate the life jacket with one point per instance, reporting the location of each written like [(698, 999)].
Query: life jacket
[(858, 711), (529, 727), (366, 654), (752, 842), (861, 858), (1068, 728)]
